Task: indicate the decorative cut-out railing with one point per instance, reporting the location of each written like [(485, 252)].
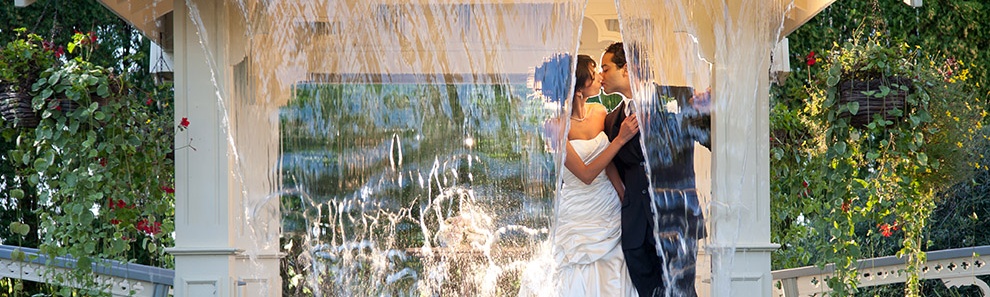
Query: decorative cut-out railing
[(126, 279), (955, 267)]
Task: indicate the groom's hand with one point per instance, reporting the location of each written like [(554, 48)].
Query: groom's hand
[(629, 129)]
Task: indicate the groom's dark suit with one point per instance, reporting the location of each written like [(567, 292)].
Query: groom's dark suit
[(671, 147)]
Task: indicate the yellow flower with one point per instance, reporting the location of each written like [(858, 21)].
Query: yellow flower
[(948, 113), (148, 121), (959, 144)]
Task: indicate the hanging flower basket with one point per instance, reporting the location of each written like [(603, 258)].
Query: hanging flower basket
[(880, 96), (16, 108)]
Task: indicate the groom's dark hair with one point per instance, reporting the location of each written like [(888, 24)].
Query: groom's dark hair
[(618, 55)]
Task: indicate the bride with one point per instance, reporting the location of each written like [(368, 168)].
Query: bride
[(587, 246)]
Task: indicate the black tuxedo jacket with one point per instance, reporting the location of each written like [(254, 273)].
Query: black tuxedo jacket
[(671, 154)]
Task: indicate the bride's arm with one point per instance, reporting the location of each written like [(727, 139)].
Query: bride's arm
[(587, 173)]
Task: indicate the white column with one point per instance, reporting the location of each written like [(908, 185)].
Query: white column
[(740, 248), (211, 237)]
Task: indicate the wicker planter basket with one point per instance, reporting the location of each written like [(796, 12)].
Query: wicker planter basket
[(869, 105), (16, 108)]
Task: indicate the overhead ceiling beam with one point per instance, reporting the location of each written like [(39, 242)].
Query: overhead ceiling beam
[(145, 15)]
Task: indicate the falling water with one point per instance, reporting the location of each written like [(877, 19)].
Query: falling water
[(400, 142), (690, 46), (398, 147)]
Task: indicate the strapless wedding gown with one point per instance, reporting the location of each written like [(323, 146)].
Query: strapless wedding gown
[(587, 230)]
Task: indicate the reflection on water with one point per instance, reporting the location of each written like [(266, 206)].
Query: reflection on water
[(409, 188)]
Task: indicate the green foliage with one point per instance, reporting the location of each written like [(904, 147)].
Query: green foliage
[(22, 59), (94, 174), (843, 191)]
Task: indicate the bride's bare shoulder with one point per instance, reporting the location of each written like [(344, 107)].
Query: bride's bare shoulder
[(597, 108)]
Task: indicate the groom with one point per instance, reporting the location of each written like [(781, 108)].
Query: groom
[(679, 219)]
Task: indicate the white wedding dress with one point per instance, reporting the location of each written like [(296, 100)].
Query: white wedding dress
[(587, 246)]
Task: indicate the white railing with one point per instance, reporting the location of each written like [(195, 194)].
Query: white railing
[(955, 267), (124, 279)]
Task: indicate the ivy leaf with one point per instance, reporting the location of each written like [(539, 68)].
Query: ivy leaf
[(40, 164), (103, 91), (84, 262), (832, 80), (853, 107), (18, 255), (840, 148), (17, 193), (19, 228), (54, 78), (923, 159), (46, 93), (872, 155)]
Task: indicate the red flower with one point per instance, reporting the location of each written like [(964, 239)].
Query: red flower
[(168, 190), (115, 221), (148, 102), (149, 228), (59, 52), (184, 123), (885, 230), (845, 206), (804, 183), (92, 37), (103, 162), (810, 59)]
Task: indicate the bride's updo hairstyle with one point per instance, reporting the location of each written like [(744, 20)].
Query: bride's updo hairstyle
[(583, 72)]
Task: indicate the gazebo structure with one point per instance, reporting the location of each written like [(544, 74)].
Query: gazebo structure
[(218, 226)]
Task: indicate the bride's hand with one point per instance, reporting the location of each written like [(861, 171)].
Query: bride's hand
[(629, 129)]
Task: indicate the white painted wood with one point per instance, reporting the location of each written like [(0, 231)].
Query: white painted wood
[(956, 267), (227, 224)]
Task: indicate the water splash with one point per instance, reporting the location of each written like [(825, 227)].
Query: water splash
[(401, 143)]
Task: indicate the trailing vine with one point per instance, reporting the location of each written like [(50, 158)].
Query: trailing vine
[(98, 159)]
